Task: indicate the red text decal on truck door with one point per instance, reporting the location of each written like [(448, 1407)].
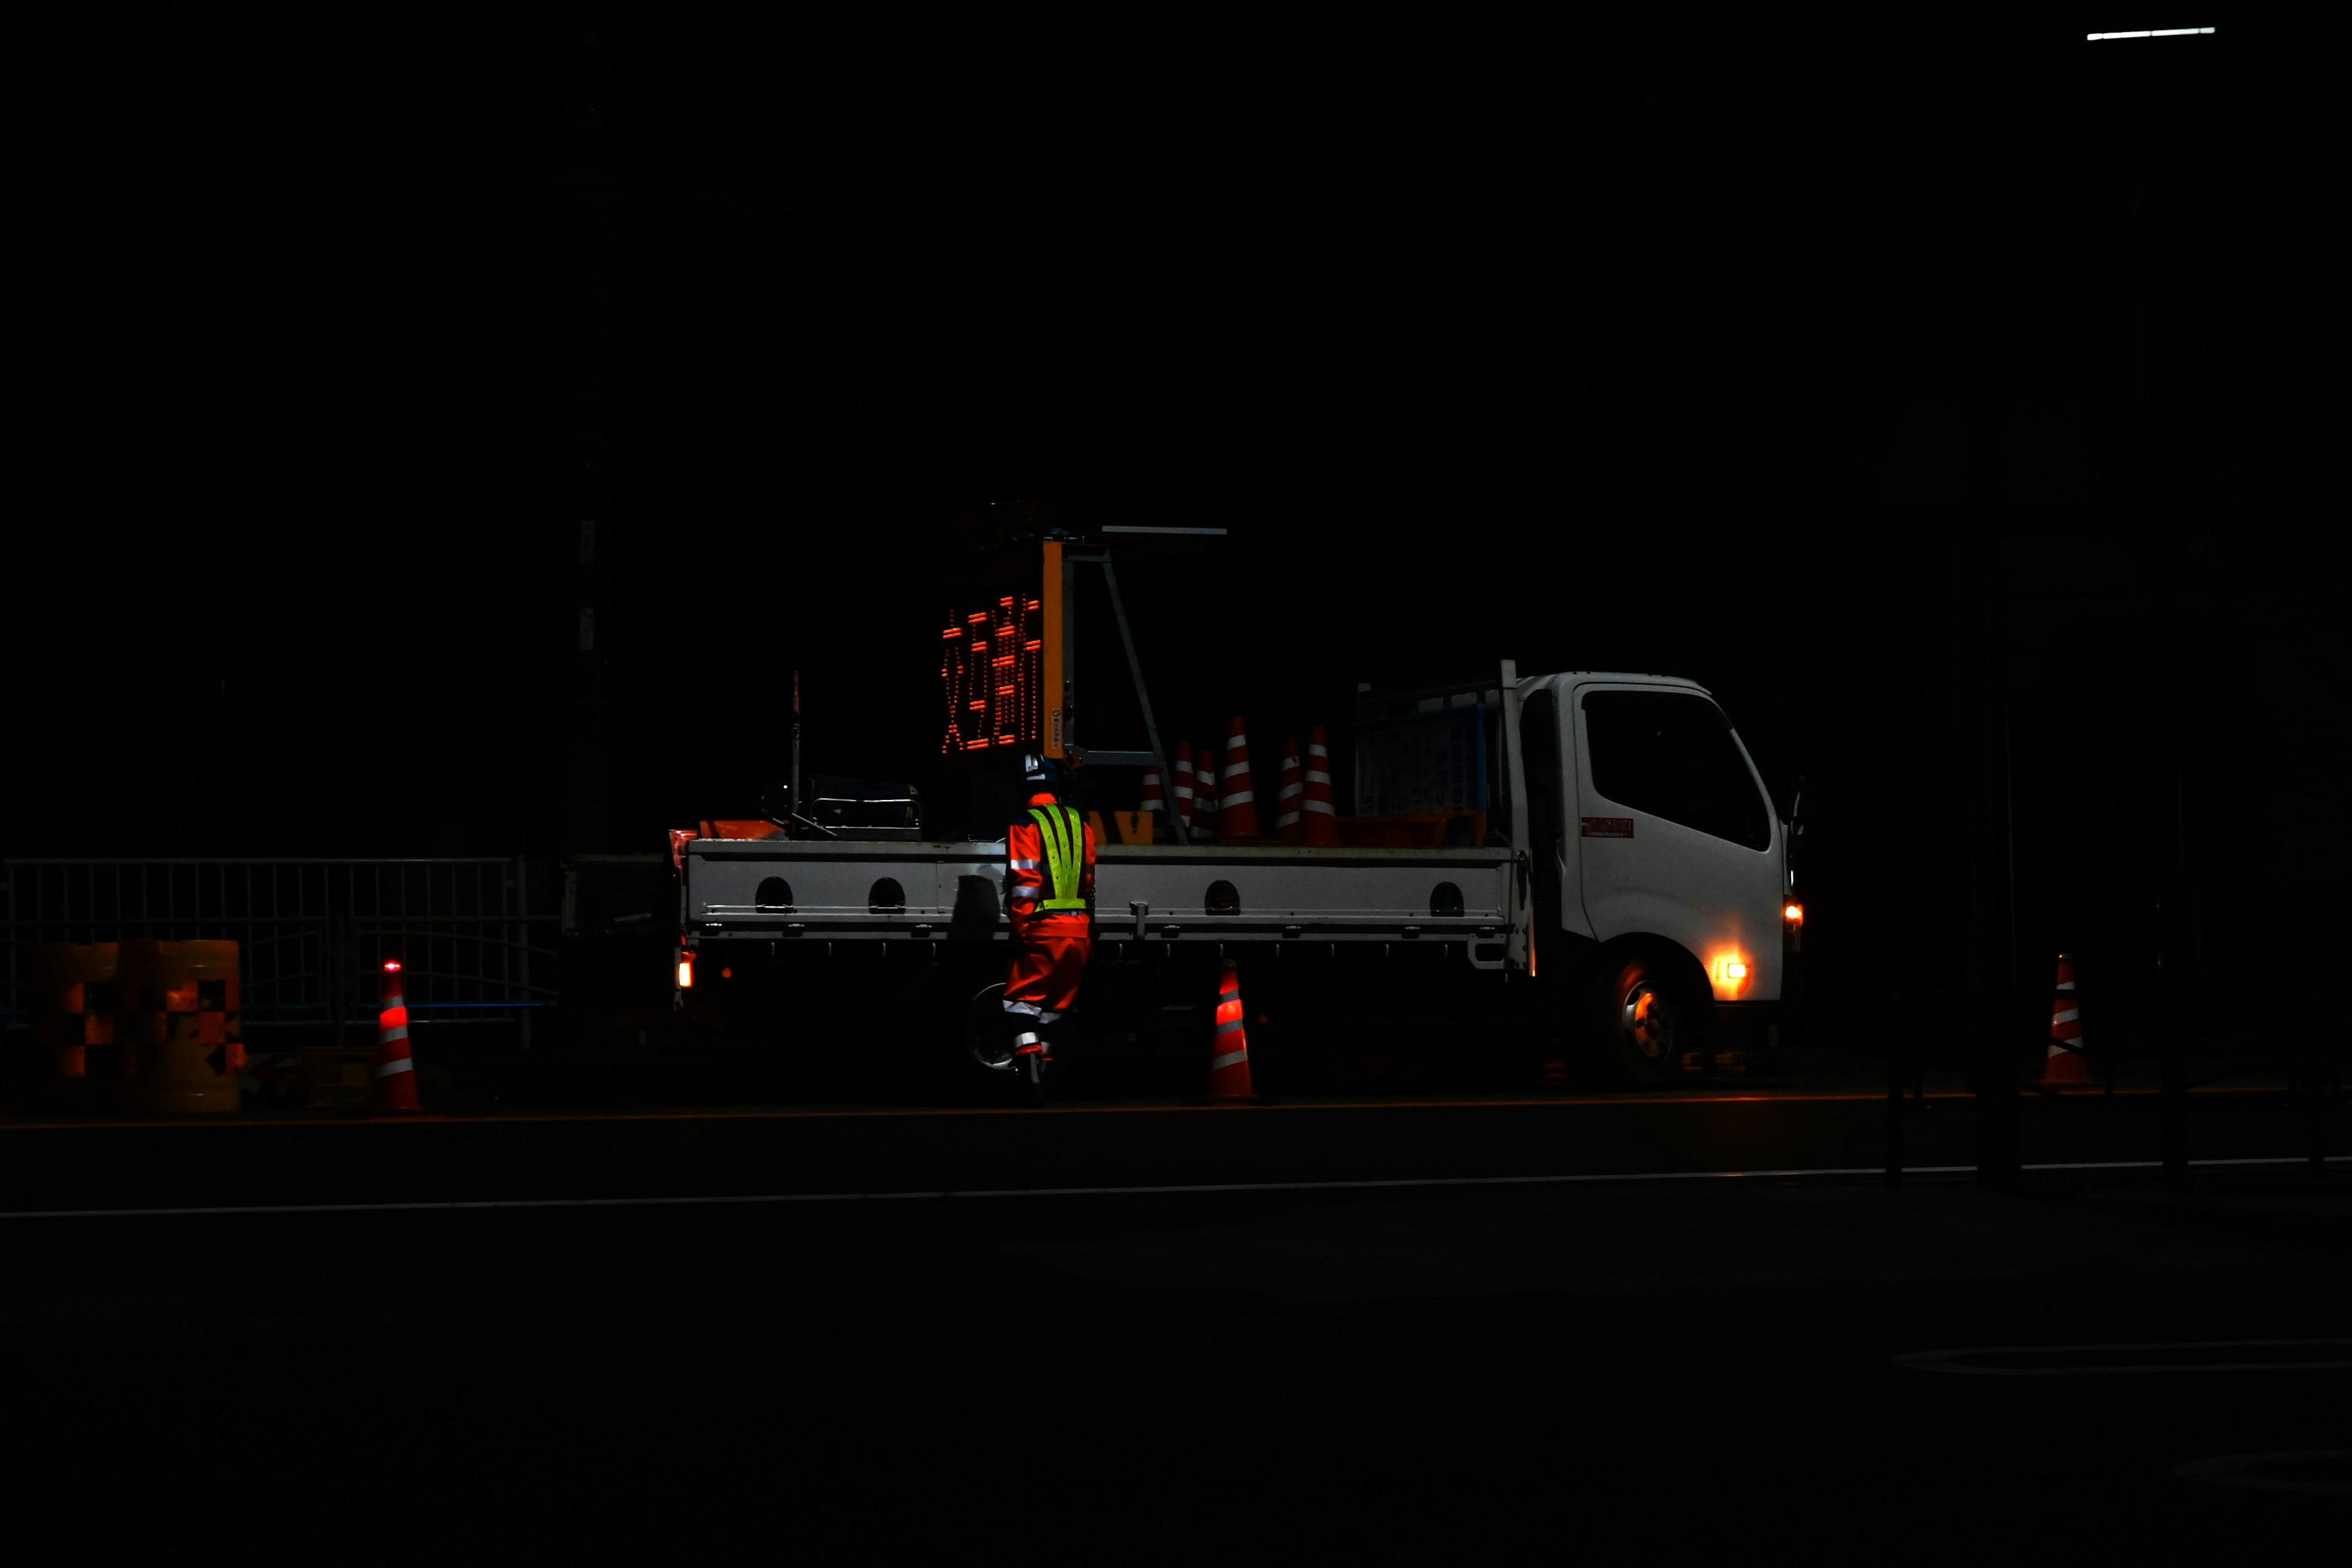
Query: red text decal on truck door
[(1609, 827)]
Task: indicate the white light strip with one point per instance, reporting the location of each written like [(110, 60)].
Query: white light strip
[(2153, 33)]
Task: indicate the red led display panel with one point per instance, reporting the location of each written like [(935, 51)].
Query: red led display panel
[(992, 664)]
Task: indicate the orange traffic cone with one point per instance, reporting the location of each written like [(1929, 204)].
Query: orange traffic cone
[(1229, 1068), (2065, 1062), (1204, 788), (1237, 801), (1294, 788), (1318, 820), (395, 1070)]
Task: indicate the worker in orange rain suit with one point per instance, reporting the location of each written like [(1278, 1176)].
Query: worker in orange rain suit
[(1049, 892)]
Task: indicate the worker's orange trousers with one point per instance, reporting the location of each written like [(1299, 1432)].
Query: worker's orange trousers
[(1046, 974)]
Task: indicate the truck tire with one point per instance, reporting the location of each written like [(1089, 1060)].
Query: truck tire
[(982, 1036), (1643, 1017)]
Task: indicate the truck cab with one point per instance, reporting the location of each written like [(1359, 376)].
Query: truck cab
[(1660, 872)]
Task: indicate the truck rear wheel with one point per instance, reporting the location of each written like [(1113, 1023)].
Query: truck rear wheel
[(1643, 1018), (982, 1034)]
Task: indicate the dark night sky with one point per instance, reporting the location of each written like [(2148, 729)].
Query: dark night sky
[(1678, 347)]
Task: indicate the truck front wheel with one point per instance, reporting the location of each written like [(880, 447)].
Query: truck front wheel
[(1643, 1018)]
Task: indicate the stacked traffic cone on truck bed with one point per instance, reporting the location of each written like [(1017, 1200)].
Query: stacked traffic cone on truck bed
[(1288, 802), (1237, 796), (395, 1070), (1186, 805), (1318, 821), (1204, 791), (1155, 805), (2065, 1063)]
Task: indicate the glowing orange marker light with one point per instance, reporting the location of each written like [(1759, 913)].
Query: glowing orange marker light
[(685, 972), (1794, 913), (1731, 974)]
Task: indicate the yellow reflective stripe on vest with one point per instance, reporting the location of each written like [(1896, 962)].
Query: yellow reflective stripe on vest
[(1066, 849)]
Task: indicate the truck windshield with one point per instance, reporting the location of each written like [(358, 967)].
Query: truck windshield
[(1673, 756)]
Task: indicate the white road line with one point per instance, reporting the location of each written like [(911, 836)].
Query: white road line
[(1167, 1189), (1951, 1362)]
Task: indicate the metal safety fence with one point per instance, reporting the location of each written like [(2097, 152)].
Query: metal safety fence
[(313, 932)]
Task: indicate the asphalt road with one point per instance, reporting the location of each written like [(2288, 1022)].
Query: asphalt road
[(301, 1160), (1647, 1366)]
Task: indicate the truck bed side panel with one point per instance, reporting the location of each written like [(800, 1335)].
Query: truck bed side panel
[(1329, 894)]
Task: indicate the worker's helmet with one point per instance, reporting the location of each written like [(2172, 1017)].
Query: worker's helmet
[(1042, 771)]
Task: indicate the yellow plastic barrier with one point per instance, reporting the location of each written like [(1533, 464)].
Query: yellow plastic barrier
[(183, 1012), (76, 984)]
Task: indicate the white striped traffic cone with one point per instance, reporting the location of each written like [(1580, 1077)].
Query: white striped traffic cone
[(1237, 800), (1288, 802), (395, 1069), (1184, 797), (1318, 821), (1229, 1068), (2065, 1063), (1204, 788)]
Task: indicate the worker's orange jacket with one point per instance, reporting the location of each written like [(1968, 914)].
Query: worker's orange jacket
[(1049, 882)]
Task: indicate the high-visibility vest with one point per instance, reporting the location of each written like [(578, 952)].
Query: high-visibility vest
[(1063, 833)]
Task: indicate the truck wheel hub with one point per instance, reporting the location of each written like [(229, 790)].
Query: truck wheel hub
[(1649, 1023)]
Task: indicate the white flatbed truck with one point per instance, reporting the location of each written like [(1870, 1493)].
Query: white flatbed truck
[(1634, 886)]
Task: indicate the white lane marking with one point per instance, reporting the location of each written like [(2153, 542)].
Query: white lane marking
[(1949, 1360), (2238, 1470), (1167, 1189)]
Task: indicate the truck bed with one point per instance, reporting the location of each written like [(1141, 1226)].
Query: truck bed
[(781, 889)]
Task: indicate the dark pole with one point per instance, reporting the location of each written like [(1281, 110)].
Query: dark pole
[(2001, 1160), (2179, 997), (2318, 1088), (2178, 960), (587, 269), (1897, 1048), (1993, 1020), (219, 760), (1998, 1154), (337, 962)]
